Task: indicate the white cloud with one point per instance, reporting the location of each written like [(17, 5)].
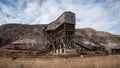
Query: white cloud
[(102, 16), (32, 9)]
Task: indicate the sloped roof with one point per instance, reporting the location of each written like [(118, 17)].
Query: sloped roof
[(25, 41), (54, 25), (59, 21)]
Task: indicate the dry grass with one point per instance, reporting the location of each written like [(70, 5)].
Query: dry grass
[(90, 62)]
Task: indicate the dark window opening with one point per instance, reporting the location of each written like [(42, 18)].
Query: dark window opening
[(62, 50), (67, 15), (48, 31), (71, 16), (69, 33)]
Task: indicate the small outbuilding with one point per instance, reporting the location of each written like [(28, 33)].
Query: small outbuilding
[(115, 50), (21, 44)]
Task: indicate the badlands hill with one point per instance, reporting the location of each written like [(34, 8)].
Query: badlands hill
[(13, 32)]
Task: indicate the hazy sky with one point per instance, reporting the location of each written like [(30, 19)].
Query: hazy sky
[(102, 15)]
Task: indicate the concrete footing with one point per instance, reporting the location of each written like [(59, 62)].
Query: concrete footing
[(64, 51)]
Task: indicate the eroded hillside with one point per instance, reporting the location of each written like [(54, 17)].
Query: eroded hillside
[(12, 32)]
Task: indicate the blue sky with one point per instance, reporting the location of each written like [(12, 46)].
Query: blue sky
[(102, 15)]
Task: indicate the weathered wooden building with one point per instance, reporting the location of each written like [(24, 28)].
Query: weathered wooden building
[(115, 50), (60, 32), (61, 35), (21, 44)]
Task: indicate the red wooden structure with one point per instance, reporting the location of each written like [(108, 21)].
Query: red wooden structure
[(18, 46)]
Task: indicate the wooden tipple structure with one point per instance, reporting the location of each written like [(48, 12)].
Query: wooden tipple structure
[(60, 32), (61, 36)]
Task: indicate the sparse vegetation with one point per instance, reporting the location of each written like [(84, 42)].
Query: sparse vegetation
[(112, 61), (12, 32)]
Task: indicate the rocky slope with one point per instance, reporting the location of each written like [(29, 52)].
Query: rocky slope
[(12, 32), (98, 37)]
